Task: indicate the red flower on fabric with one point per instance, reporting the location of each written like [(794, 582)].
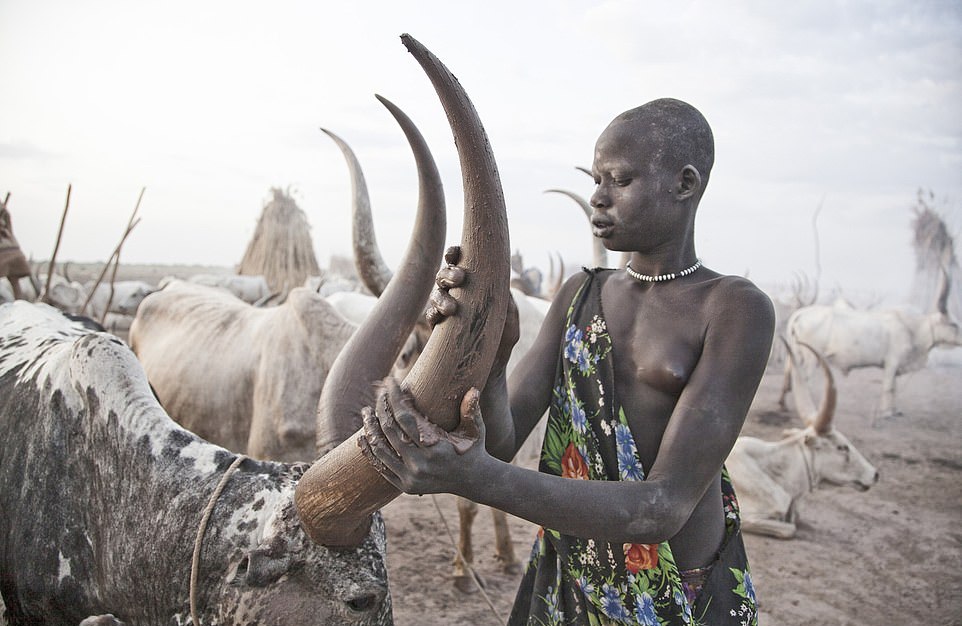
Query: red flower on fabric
[(573, 464), (639, 556)]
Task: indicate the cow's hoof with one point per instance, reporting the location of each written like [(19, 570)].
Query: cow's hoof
[(466, 584)]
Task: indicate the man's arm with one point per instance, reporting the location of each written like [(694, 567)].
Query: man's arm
[(699, 435)]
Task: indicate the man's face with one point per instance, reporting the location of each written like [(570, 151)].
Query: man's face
[(633, 209)]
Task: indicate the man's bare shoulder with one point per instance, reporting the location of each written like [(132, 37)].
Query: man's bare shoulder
[(736, 295)]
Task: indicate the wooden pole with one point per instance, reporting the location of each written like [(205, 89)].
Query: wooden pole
[(45, 296), (115, 255)]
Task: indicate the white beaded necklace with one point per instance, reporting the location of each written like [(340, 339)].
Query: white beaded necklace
[(661, 277)]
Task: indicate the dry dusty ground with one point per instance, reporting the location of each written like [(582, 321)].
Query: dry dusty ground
[(890, 555)]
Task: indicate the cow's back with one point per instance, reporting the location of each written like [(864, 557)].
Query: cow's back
[(71, 401)]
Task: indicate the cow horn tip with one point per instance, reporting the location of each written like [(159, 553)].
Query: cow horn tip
[(385, 101)]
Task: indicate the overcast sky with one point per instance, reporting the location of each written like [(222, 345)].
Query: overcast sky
[(851, 106)]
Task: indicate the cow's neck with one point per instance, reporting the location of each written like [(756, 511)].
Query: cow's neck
[(158, 477), (791, 462)]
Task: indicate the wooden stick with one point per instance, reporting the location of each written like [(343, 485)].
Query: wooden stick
[(114, 255), (45, 296)]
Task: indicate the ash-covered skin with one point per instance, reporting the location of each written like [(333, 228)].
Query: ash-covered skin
[(101, 495)]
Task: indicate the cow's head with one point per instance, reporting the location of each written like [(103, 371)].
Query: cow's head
[(836, 461), (276, 582), (131, 297), (833, 457)]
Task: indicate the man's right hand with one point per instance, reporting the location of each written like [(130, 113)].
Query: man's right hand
[(443, 305)]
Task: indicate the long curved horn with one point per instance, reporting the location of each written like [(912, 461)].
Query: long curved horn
[(559, 278), (822, 421), (371, 268), (586, 170), (802, 394), (369, 354), (337, 495), (599, 254)]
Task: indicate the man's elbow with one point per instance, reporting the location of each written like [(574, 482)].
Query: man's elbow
[(658, 520)]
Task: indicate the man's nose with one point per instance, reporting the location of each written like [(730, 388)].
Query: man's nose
[(599, 199)]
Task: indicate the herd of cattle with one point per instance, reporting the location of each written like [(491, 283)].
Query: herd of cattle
[(115, 455)]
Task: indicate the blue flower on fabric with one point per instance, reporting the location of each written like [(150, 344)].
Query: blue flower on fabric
[(680, 599), (645, 610), (749, 587), (612, 605), (586, 587), (578, 417), (551, 602), (628, 466), (573, 343), (623, 439)]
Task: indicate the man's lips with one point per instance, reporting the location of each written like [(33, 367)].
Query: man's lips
[(601, 226)]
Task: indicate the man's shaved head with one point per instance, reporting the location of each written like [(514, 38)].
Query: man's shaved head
[(676, 132)]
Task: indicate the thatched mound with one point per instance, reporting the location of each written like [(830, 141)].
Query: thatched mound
[(281, 250), (934, 250)]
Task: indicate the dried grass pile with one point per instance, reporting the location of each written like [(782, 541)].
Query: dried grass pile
[(934, 250), (281, 249)]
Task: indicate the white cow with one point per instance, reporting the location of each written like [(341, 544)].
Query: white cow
[(250, 289), (246, 377), (122, 297), (66, 295), (771, 476), (896, 340)]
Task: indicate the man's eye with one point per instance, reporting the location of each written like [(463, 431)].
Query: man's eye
[(622, 182)]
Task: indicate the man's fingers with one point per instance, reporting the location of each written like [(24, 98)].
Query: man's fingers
[(376, 449), (449, 277), (471, 404), (452, 256), (469, 429), (443, 303)]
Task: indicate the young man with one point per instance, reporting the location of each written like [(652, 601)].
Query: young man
[(647, 374)]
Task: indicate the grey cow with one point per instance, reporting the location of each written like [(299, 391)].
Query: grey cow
[(102, 495)]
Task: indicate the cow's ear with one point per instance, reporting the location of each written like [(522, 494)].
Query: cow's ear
[(263, 565)]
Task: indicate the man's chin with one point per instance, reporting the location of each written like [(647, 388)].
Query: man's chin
[(603, 232)]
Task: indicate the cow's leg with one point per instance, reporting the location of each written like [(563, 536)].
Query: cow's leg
[(887, 403), (503, 548), (786, 385), (768, 527), (467, 510), (15, 285)]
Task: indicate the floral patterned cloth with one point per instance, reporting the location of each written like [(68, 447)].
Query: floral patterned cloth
[(569, 580)]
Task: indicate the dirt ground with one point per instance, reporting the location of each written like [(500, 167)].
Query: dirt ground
[(890, 555)]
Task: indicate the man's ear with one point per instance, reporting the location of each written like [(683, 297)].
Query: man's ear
[(689, 182)]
